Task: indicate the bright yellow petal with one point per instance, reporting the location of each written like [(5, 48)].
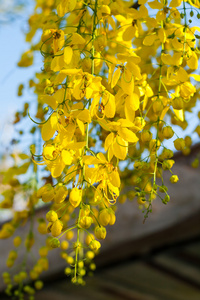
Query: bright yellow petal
[(91, 160), (64, 6), (84, 116), (155, 5), (179, 114), (120, 148), (108, 101), (125, 123), (160, 16), (175, 3), (192, 62), (128, 135), (49, 128), (89, 91), (48, 152), (72, 4), (110, 153), (149, 40), (101, 156), (67, 157), (114, 178), (163, 113), (49, 100), (162, 35), (127, 82), (133, 101), (59, 95), (177, 59), (182, 75), (134, 69), (68, 52), (115, 77), (166, 59), (108, 141), (143, 12), (81, 126), (56, 167), (129, 112), (76, 146), (71, 71), (71, 172), (57, 63), (129, 33), (195, 76), (77, 39)]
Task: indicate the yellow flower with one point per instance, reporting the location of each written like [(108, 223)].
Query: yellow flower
[(94, 245), (167, 132), (100, 232), (85, 222), (187, 90), (75, 197), (174, 179), (61, 193), (46, 192), (51, 216), (179, 144), (6, 231), (107, 216), (56, 228), (26, 59)]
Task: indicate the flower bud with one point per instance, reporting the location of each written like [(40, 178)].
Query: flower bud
[(166, 199), (94, 245), (157, 106), (43, 251), (51, 216), (56, 228), (17, 241), (75, 197), (188, 141), (112, 217), (177, 103), (42, 228), (154, 145), (179, 144), (100, 43), (64, 245), (85, 222), (12, 255), (61, 193), (46, 192), (47, 36), (195, 163), (167, 153), (100, 232), (139, 122), (167, 132), (69, 235), (174, 179), (38, 285), (90, 255), (105, 10), (104, 217), (167, 164), (55, 243), (146, 136)]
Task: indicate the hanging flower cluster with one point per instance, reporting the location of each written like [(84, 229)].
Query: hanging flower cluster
[(115, 80)]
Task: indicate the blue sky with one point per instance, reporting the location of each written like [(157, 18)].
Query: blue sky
[(12, 45)]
